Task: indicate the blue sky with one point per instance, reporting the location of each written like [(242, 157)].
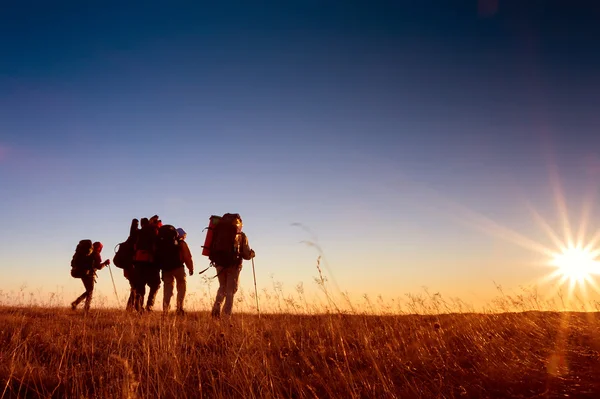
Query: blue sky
[(362, 121)]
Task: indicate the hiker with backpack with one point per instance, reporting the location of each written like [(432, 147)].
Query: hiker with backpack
[(123, 259), (172, 253), (145, 270), (229, 247), (128, 271), (85, 262)]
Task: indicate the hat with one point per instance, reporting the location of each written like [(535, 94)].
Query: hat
[(98, 245), (181, 232)]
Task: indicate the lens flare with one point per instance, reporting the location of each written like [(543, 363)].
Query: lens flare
[(575, 264)]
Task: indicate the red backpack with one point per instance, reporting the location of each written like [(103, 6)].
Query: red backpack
[(224, 248)]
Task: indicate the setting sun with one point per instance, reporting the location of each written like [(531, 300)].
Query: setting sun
[(575, 264)]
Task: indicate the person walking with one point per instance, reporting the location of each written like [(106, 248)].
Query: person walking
[(88, 267), (229, 248), (129, 272), (146, 271), (175, 272)]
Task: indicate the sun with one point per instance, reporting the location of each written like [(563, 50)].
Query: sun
[(575, 264)]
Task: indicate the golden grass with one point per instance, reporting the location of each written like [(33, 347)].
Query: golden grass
[(113, 354), (425, 347)]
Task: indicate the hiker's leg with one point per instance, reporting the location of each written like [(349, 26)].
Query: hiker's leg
[(88, 282), (78, 300), (80, 297), (222, 276), (140, 287), (233, 276), (154, 284), (131, 300), (168, 280), (128, 273), (181, 286)]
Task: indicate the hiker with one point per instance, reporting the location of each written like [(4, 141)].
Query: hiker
[(146, 271), (172, 254), (87, 270), (229, 248), (128, 272)]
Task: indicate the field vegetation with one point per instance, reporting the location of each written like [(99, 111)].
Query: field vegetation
[(431, 349)]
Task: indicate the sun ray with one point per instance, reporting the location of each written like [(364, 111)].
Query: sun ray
[(571, 289), (493, 228), (559, 198), (585, 217), (593, 241), (551, 276), (593, 253), (546, 227), (473, 219), (583, 287), (562, 280), (593, 284)]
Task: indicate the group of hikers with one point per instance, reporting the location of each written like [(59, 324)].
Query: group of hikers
[(154, 252)]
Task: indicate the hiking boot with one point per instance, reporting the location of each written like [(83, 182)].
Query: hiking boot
[(74, 305), (180, 312)]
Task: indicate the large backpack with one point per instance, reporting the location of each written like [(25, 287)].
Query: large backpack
[(123, 258), (167, 254), (224, 250), (81, 261)]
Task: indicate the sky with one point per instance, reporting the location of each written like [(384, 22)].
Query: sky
[(411, 141)]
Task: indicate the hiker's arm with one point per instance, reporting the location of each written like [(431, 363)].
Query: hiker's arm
[(98, 264), (247, 253), (187, 256)]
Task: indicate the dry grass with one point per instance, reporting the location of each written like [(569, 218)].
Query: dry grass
[(112, 354), (427, 347)]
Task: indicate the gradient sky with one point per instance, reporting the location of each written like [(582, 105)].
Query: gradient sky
[(390, 129)]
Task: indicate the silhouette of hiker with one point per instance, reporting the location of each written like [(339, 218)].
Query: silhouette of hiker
[(228, 265), (129, 272), (146, 271), (89, 265), (176, 272)]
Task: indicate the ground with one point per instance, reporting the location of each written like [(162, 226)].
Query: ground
[(112, 354)]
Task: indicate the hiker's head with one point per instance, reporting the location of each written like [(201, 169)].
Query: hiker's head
[(234, 218), (144, 222), (238, 222), (181, 234), (98, 246)]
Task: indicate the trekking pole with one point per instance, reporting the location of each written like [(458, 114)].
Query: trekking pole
[(255, 289), (113, 281)]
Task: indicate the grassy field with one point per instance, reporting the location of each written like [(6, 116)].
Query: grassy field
[(111, 354)]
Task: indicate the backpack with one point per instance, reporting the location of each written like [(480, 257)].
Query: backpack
[(80, 263), (167, 254), (224, 250), (123, 258)]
